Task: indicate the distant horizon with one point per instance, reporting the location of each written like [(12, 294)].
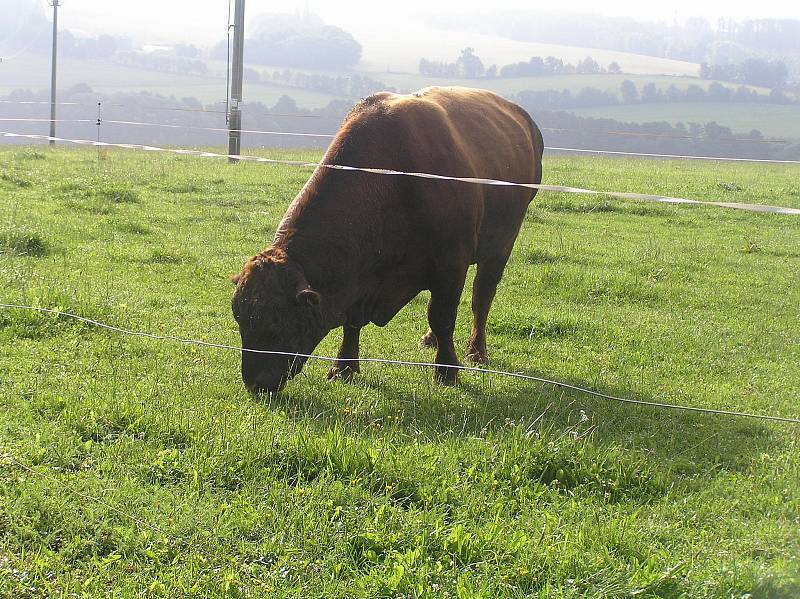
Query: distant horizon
[(187, 23)]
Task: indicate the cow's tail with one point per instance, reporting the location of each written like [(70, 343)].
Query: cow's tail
[(539, 149), (538, 143)]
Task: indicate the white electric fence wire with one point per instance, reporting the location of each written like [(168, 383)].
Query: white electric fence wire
[(390, 172), (165, 126), (331, 136), (516, 375), (40, 103), (698, 138), (163, 108), (21, 120), (681, 156), (193, 128)]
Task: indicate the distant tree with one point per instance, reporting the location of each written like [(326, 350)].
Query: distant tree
[(695, 93), (673, 94), (756, 71), (302, 42), (629, 92), (555, 65), (285, 105), (614, 68), (719, 93), (651, 93), (590, 96), (187, 51), (713, 130), (536, 66), (469, 65), (106, 46), (431, 68), (743, 94), (588, 66)]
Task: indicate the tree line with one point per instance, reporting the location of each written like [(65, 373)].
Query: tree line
[(560, 128), (753, 71), (650, 93), (162, 61), (346, 86), (564, 129), (469, 65)]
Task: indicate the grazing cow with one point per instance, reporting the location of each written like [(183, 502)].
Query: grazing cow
[(355, 247)]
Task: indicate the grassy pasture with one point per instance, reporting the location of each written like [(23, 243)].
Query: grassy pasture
[(32, 72), (393, 487)]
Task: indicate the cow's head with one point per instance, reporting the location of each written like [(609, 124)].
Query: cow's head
[(278, 311)]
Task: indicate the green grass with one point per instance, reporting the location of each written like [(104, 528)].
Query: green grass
[(772, 120), (392, 486)]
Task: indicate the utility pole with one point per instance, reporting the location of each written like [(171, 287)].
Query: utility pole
[(235, 113), (54, 65)]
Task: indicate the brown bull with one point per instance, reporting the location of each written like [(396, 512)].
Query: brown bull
[(355, 247)]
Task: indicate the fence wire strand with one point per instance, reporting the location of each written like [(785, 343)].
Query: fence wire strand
[(328, 359), (420, 175)]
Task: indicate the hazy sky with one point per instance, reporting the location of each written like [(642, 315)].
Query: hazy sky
[(204, 21)]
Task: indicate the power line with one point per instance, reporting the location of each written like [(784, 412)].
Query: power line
[(590, 132), (681, 156)]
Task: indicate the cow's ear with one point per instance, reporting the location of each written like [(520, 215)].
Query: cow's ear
[(236, 278), (308, 297)]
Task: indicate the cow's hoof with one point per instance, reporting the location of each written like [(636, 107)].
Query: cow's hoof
[(428, 340), (446, 376), (346, 374), (476, 357)]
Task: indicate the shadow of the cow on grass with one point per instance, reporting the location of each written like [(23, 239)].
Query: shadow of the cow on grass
[(406, 404)]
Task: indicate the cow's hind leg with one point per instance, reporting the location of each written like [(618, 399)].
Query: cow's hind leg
[(442, 310), (489, 273), (346, 365)]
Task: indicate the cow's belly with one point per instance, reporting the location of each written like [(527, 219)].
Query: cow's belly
[(503, 215), (384, 302)]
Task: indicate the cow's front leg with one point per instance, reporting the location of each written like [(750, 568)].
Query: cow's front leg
[(442, 310), (346, 365)]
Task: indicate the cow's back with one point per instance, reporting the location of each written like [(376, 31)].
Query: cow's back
[(472, 133)]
